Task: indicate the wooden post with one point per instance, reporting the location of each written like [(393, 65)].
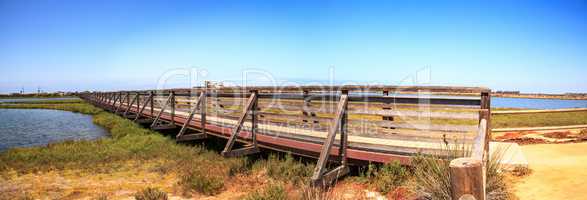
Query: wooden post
[(203, 112), (466, 179), (151, 101), (173, 107), (320, 176), (198, 106), (485, 113), (228, 151)]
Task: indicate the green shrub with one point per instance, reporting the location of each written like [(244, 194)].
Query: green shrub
[(271, 192), (390, 176), (151, 194), (201, 181), (286, 169)]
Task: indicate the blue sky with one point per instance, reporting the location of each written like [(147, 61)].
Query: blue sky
[(532, 46)]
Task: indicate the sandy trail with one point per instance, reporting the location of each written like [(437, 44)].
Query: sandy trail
[(559, 172)]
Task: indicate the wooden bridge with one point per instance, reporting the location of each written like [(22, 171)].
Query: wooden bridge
[(339, 124)]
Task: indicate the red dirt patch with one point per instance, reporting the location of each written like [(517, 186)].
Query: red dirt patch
[(558, 134), (513, 135), (526, 141)]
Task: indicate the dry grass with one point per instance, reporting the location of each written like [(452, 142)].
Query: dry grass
[(432, 178)]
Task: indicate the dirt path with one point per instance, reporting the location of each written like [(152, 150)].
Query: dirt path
[(559, 172)]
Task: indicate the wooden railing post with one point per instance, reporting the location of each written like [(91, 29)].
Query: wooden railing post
[(120, 103), (320, 176), (228, 151), (156, 124), (151, 101), (173, 107), (485, 113), (200, 102), (466, 177), (147, 101), (135, 99)]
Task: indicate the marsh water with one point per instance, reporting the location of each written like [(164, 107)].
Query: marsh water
[(501, 102), (35, 127)]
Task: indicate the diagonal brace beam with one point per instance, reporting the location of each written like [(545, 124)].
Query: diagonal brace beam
[(167, 102), (250, 106), (148, 101), (320, 177), (198, 106)]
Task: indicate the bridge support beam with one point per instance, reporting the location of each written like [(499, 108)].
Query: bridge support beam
[(139, 115), (132, 103), (200, 105), (320, 176), (250, 107), (121, 102), (161, 125)]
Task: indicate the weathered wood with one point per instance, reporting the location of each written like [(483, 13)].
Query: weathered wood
[(350, 88), (140, 112), (191, 115), (466, 179), (480, 145), (227, 152), (135, 99), (156, 121), (120, 103), (319, 171)]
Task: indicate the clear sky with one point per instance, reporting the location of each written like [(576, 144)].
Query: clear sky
[(532, 46)]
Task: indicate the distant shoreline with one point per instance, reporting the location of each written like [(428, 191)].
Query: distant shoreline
[(541, 96)]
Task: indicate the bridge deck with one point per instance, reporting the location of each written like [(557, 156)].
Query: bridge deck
[(307, 142)]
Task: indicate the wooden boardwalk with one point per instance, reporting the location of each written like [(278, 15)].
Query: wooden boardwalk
[(334, 124)]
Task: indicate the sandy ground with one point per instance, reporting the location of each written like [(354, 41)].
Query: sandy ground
[(121, 184), (559, 172)]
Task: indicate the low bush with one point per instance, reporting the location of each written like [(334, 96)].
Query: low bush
[(285, 169), (432, 177), (271, 192), (390, 176), (151, 194), (200, 181)]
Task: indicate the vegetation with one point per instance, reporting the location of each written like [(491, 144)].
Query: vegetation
[(203, 171), (151, 194), (47, 101), (75, 106), (271, 192), (539, 119), (285, 169), (432, 178), (390, 176), (201, 181)]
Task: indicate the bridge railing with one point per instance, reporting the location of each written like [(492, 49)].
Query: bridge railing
[(389, 120)]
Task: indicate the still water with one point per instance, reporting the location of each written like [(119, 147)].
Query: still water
[(501, 102), (35, 127)]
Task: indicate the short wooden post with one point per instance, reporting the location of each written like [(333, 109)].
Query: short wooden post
[(466, 179), (151, 101)]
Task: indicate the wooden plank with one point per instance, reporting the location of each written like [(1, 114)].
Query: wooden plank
[(350, 88)]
